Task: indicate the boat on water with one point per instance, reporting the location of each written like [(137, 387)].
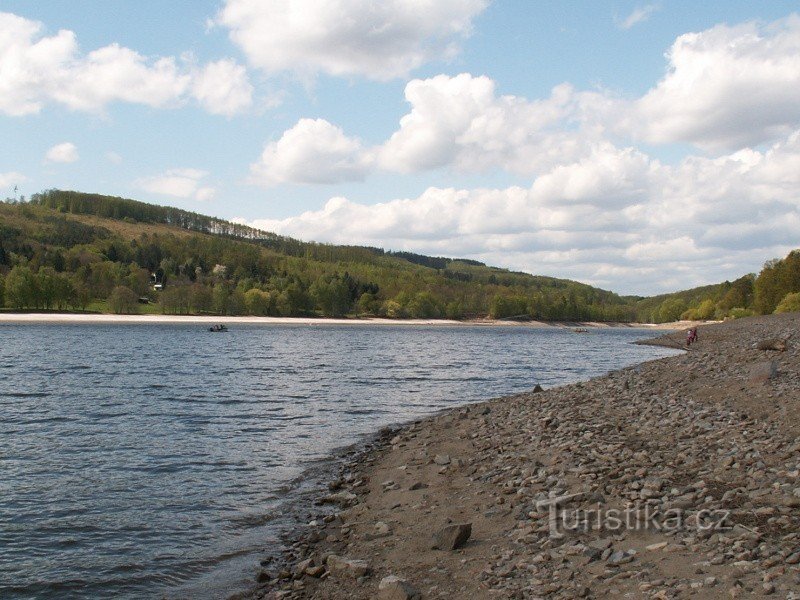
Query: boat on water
[(218, 328)]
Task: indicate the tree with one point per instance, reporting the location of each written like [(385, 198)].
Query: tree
[(258, 302), (331, 295), (46, 282), (706, 310), (671, 310), (176, 300), (21, 289), (2, 290), (424, 306), (368, 304), (220, 299), (123, 300), (789, 303), (201, 298)]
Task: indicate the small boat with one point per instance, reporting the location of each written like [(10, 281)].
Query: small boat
[(580, 330), (218, 328)]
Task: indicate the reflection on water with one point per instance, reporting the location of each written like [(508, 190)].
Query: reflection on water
[(137, 460)]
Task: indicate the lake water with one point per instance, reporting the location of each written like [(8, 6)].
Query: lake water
[(142, 461)]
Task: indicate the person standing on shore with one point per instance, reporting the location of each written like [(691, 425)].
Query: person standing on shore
[(691, 336)]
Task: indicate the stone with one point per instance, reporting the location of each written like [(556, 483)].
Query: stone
[(316, 571), (343, 499), (452, 537), (763, 372), (777, 344), (417, 485), (382, 529), (442, 459), (395, 588), (347, 567), (658, 546), (301, 567)]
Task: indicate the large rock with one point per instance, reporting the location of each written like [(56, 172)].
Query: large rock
[(452, 537), (777, 344), (763, 372), (339, 566), (394, 588), (343, 499)]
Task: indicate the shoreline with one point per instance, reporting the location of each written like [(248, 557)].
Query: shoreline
[(107, 319), (487, 464)]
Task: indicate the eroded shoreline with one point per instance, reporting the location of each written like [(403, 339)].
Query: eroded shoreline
[(713, 430)]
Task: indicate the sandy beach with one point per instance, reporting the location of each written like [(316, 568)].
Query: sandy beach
[(512, 498), (83, 318)]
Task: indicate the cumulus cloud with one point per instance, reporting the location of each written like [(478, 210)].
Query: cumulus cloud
[(65, 152), (617, 218), (458, 122), (222, 88), (640, 14), (461, 121), (726, 88), (179, 183), (11, 178), (36, 69), (313, 151), (379, 40)]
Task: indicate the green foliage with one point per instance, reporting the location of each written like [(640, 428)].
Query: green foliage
[(671, 310), (789, 303), (78, 248), (503, 307), (123, 300), (424, 306), (332, 295), (740, 313), (22, 288), (777, 279)]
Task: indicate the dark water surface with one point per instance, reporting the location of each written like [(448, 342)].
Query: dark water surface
[(141, 461)]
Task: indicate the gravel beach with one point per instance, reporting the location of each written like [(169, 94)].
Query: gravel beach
[(679, 477)]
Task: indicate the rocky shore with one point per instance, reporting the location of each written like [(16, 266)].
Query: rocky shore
[(675, 478)]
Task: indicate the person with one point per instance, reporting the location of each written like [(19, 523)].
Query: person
[(691, 336)]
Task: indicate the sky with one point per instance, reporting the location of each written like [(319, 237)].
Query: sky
[(639, 147)]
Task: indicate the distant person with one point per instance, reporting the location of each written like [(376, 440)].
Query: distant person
[(691, 336)]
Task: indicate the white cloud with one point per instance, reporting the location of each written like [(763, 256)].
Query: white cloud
[(458, 122), (114, 157), (313, 151), (640, 14), (726, 88), (65, 152), (179, 183), (36, 69), (11, 178), (380, 40), (616, 218), (461, 121), (222, 88)]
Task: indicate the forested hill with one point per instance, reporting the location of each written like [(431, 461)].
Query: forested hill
[(71, 250)]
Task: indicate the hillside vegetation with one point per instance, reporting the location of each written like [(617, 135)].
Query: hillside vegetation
[(71, 250)]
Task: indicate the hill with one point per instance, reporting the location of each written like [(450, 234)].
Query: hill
[(71, 250)]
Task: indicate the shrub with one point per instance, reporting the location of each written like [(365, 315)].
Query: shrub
[(789, 303)]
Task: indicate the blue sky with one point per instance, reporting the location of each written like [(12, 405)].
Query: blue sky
[(642, 147)]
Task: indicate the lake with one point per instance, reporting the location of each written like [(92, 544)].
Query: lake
[(141, 461)]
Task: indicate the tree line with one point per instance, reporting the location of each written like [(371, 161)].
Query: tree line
[(68, 250)]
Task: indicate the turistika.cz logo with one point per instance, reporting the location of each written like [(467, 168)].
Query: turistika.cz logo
[(638, 516)]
